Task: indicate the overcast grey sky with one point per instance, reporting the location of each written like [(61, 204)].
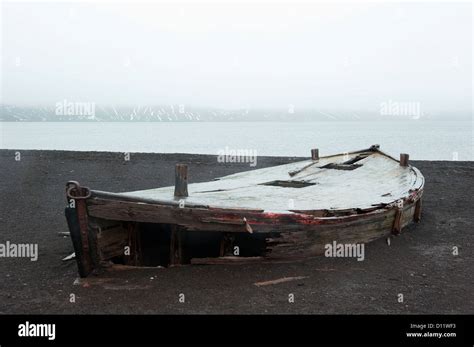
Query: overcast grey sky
[(331, 56)]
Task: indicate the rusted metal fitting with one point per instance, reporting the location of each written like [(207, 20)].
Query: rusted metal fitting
[(75, 191)]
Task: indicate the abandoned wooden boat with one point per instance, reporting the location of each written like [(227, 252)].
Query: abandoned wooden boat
[(284, 212)]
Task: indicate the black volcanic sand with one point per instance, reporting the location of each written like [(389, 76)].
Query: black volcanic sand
[(418, 264)]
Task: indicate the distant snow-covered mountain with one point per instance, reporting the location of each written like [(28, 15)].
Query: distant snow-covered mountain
[(90, 112)]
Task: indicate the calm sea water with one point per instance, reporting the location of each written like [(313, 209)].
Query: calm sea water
[(424, 140)]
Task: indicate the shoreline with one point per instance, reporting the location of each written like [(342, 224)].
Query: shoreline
[(186, 154)]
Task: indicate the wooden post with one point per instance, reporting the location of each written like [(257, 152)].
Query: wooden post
[(397, 223), (404, 159), (226, 246), (134, 245), (315, 154), (181, 180), (176, 250), (417, 214)]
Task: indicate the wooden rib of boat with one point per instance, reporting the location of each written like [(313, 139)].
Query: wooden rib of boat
[(283, 212)]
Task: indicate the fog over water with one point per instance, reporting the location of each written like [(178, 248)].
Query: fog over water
[(325, 56)]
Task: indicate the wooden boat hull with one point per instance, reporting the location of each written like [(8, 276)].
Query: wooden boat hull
[(108, 226)]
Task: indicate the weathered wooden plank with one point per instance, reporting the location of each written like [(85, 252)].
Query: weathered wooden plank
[(129, 211), (226, 260), (214, 220), (279, 280), (305, 243), (111, 242)]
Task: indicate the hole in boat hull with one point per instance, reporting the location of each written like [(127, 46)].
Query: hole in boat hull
[(155, 245), (288, 184), (341, 166)]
